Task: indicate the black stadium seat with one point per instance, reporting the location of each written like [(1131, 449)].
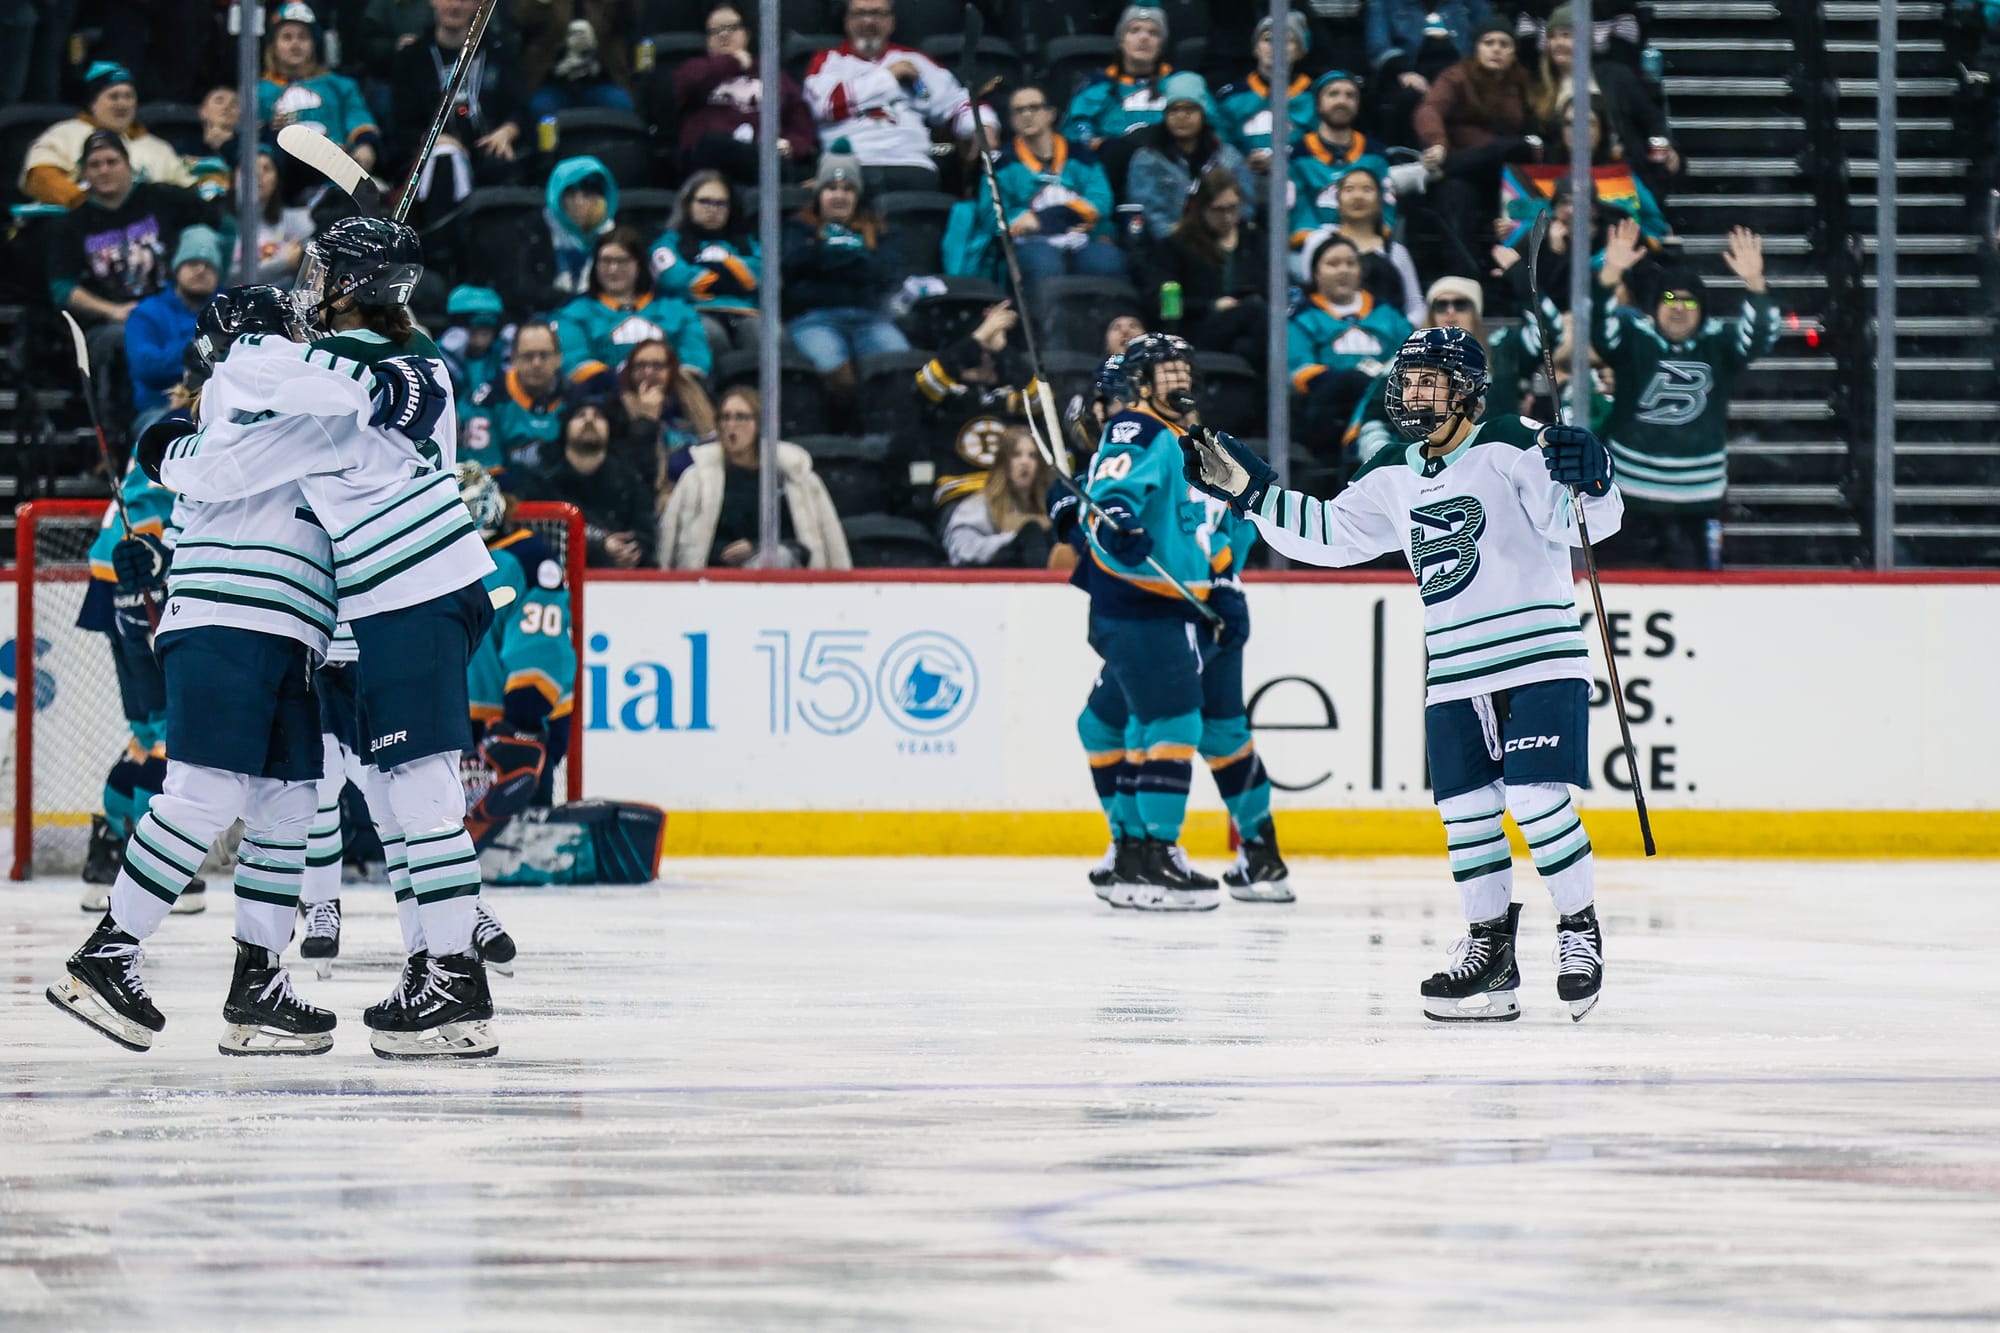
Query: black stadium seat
[(854, 468), (498, 238), (878, 541), (886, 385), (1232, 392), (802, 405), (1068, 61), (997, 56), (20, 126), (618, 139), (940, 320), (917, 218), (1074, 310), (645, 211)]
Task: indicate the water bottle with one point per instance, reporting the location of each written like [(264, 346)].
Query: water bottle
[(1652, 64)]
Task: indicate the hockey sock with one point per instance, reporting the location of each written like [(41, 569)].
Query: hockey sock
[(1557, 840), (1239, 774), (1165, 773), (444, 876), (323, 842), (396, 862), (1126, 819), (269, 874), (1481, 861), (171, 839), (1104, 747)]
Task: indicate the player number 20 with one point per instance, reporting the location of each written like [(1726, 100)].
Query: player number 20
[(542, 618)]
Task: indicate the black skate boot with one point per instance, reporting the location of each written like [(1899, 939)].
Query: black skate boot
[(1105, 877), (1479, 986), (492, 943), (104, 856), (1259, 874), (447, 1015), (104, 988), (1127, 869), (193, 900), (264, 1016), (1167, 883), (321, 944), (1579, 961), (407, 985)]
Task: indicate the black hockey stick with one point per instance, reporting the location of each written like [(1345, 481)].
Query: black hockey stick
[(82, 351), (1535, 238), (1041, 398)]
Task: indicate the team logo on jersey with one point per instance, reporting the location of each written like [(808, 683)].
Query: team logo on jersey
[(979, 441), (1445, 560), (928, 681), (1677, 394), (1125, 432)]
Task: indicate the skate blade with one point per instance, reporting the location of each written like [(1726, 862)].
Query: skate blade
[(1498, 1006), (82, 1003), (1578, 1008), (1177, 900), (189, 904), (1120, 895), (452, 1041), (96, 901), (322, 968), (1264, 891), (504, 969), (253, 1039)]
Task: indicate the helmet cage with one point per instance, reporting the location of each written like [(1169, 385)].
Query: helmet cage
[(1463, 399)]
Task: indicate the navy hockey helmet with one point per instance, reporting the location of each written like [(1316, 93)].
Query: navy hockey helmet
[(482, 495), (235, 311), (1112, 384), (374, 260), (1458, 356), (1144, 356)]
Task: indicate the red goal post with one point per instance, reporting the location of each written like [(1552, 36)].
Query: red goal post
[(69, 726)]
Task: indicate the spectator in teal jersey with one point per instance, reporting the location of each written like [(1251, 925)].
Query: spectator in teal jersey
[(1243, 116), (709, 257), (1125, 94), (1327, 152), (297, 87), (1339, 341), (618, 311), (512, 422), (1054, 196), (1174, 153), (474, 351)]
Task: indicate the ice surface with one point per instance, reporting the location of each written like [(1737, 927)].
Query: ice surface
[(963, 1095)]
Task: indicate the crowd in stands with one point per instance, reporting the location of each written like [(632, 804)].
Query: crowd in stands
[(590, 223)]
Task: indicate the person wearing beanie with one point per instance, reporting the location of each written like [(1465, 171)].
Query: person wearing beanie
[(1054, 195), (1243, 114), (297, 87), (1474, 121), (884, 99), (1331, 149), (473, 343), (161, 326), (1125, 95), (1674, 370), (839, 266), (1176, 152), (52, 173)]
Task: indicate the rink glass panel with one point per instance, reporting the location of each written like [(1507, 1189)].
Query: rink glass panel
[(61, 750)]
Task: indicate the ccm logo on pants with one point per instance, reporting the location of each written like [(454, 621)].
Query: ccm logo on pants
[(1531, 743)]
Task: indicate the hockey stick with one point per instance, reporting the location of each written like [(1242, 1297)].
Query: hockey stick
[(1535, 239), (82, 351), (1054, 450), (330, 160)]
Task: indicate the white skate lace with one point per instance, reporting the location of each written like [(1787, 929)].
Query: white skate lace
[(1110, 857), (280, 986), (323, 918), (437, 982), (486, 927), (132, 956), (1468, 956), (1576, 953), (1179, 858)]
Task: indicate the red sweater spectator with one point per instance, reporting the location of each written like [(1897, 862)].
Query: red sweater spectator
[(719, 96)]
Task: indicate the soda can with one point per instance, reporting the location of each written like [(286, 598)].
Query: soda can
[(545, 134), (1656, 149), (1170, 300), (1652, 63), (642, 55)]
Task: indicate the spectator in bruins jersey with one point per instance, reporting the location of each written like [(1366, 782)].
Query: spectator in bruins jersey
[(1002, 524), (968, 401), (619, 310), (1673, 370), (512, 421), (53, 170), (297, 87), (1340, 340)]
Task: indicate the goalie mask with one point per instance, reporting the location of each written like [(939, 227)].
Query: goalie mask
[(373, 260), (239, 310), (1419, 410), (483, 497)]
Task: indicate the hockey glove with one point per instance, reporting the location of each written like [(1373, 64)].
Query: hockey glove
[(156, 439), (140, 562), (1226, 600), (1221, 465), (408, 397), (1119, 533), (1576, 458), (1064, 510), (516, 758)]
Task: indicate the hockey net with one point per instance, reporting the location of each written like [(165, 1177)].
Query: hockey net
[(61, 749)]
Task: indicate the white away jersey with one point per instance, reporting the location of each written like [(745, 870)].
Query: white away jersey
[(1488, 535), (859, 100)]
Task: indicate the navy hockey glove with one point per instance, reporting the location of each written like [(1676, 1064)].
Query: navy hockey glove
[(1223, 466), (156, 439), (408, 397), (1576, 458), (1119, 533), (515, 758), (140, 562), (1226, 600), (1064, 510)]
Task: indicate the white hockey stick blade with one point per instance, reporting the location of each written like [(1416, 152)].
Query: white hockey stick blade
[(330, 160), (501, 597), (76, 342)]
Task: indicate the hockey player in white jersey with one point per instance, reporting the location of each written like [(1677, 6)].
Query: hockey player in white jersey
[(1486, 515), (408, 563), (249, 606)]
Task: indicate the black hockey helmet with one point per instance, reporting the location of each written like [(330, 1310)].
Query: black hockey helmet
[(235, 311), (374, 260), (1459, 357), (1146, 353)]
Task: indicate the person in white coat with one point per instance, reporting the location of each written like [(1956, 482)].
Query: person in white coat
[(711, 520)]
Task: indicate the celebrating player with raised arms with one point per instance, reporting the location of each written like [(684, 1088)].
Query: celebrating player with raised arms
[(1486, 514)]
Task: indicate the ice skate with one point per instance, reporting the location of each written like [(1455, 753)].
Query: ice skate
[(407, 984), (104, 988), (1116, 871), (447, 1016), (193, 900), (321, 944), (1260, 874), (1105, 873), (264, 1016), (1479, 986), (1579, 960), (491, 942), (1167, 883), (101, 861)]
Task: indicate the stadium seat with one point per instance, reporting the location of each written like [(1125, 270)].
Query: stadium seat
[(498, 238), (802, 407), (1232, 392), (671, 15), (878, 541), (810, 15), (20, 126), (618, 139), (670, 48), (1070, 374), (886, 385), (919, 20), (645, 211), (1068, 61), (918, 219), (1074, 309), (801, 47), (940, 320), (176, 122), (791, 199), (854, 468), (996, 57)]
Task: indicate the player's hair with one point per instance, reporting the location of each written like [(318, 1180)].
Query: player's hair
[(390, 321), (1007, 515)]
